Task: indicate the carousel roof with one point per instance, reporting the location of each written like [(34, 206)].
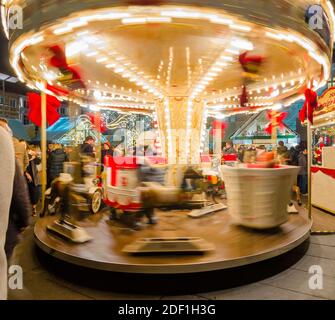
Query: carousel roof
[(127, 57)]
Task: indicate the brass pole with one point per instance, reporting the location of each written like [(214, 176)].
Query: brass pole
[(97, 124), (44, 145), (309, 165)]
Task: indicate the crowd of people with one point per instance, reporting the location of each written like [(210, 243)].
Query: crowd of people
[(295, 156)]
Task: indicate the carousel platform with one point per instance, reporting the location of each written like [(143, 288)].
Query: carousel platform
[(234, 246)]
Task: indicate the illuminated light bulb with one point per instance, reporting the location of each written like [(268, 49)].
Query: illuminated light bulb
[(242, 44), (102, 59), (94, 107), (91, 54), (78, 23), (62, 30), (119, 70), (275, 93), (208, 78), (283, 84), (238, 27), (277, 106), (226, 58), (74, 48), (219, 20), (83, 33), (97, 94), (232, 51), (216, 69), (292, 82)]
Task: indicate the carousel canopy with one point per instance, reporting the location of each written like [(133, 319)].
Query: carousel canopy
[(179, 60)]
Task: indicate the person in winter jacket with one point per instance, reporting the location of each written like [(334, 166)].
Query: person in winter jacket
[(87, 148), (20, 211), (33, 178), (302, 175), (55, 162), (7, 169)]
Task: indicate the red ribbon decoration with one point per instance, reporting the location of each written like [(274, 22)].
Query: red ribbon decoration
[(250, 65), (56, 90), (311, 103), (276, 121), (97, 122), (71, 74), (35, 106), (216, 126)]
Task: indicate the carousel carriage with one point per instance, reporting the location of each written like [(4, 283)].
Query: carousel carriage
[(134, 186)]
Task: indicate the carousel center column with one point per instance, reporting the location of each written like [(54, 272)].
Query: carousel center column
[(180, 128)]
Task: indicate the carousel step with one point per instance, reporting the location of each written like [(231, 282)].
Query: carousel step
[(69, 231), (168, 245), (206, 210)]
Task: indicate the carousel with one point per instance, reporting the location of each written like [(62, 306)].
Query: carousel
[(181, 64)]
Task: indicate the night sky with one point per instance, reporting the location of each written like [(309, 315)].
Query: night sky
[(6, 68)]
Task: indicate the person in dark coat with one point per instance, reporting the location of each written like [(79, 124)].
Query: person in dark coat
[(33, 178), (229, 148), (87, 148), (303, 175), (106, 151), (20, 211), (55, 163)]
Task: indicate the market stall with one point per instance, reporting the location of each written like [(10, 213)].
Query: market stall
[(323, 169), (253, 131)]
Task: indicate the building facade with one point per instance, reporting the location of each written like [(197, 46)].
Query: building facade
[(16, 107)]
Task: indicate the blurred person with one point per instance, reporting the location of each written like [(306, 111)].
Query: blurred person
[(33, 178), (7, 172), (20, 211), (55, 162), (229, 148), (302, 175), (294, 155), (149, 150), (260, 150), (20, 147), (240, 152), (87, 148), (250, 155), (281, 149), (294, 161), (107, 150)]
